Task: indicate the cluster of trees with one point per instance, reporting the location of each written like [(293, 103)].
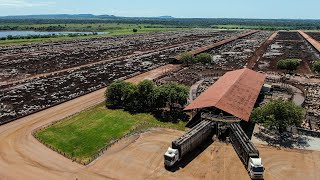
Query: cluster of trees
[(147, 97), (316, 66), (134, 30), (187, 58), (288, 64), (279, 115)]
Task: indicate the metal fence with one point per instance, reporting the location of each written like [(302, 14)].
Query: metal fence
[(308, 132)]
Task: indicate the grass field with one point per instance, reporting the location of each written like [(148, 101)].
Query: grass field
[(113, 29), (85, 134)]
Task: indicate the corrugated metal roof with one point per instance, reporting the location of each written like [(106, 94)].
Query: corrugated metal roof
[(236, 93)]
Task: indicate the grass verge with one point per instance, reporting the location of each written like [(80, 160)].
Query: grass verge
[(85, 136)]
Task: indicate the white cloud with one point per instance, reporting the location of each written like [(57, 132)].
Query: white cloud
[(23, 3)]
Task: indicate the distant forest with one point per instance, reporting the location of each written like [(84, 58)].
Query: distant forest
[(8, 23)]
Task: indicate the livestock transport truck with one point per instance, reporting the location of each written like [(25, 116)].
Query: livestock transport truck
[(188, 142), (246, 151)]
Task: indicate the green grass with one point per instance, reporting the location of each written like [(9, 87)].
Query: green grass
[(113, 28), (83, 135)]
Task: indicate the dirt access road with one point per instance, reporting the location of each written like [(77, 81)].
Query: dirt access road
[(260, 51), (141, 157), (138, 157), (23, 157)]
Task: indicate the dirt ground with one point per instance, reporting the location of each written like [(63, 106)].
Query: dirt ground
[(138, 157), (142, 158), (23, 157)]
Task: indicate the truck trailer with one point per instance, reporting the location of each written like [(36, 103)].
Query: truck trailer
[(246, 151), (188, 142)]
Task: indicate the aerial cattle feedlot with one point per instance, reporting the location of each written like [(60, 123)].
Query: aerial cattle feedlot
[(26, 96), (55, 83)]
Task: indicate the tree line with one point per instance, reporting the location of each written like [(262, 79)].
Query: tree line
[(10, 37), (166, 101), (179, 22)]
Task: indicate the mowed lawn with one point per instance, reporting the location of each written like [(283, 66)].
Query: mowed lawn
[(83, 135)]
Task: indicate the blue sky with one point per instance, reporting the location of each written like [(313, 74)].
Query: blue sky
[(292, 9)]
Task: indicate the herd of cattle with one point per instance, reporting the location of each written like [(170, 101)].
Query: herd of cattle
[(66, 82), (40, 75)]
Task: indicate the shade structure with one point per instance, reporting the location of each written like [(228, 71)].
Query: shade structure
[(235, 93)]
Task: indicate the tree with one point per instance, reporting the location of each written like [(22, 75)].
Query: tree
[(173, 94), (187, 58), (159, 98), (144, 96), (288, 64), (134, 30), (118, 93), (204, 58), (316, 66), (278, 114)]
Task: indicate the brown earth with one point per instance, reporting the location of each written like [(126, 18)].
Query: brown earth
[(137, 157), (142, 158), (23, 157)]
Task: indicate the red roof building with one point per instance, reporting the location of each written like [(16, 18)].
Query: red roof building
[(235, 93)]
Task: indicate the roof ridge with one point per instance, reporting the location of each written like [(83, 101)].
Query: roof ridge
[(230, 87)]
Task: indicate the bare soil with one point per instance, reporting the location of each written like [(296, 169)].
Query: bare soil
[(141, 157)]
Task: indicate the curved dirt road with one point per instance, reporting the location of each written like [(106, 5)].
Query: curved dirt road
[(137, 157), (23, 157)]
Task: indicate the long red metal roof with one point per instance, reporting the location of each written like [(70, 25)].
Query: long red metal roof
[(236, 93)]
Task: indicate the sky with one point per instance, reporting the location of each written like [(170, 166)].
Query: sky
[(262, 9)]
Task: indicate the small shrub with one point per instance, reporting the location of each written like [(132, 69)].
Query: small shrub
[(288, 64), (187, 58), (204, 58), (316, 66)]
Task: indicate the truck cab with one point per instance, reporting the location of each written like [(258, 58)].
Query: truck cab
[(171, 157), (255, 168)]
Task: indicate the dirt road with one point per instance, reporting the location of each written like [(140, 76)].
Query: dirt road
[(312, 41), (141, 157), (138, 157), (22, 156), (260, 51)]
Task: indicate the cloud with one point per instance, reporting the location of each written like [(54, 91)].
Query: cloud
[(23, 3)]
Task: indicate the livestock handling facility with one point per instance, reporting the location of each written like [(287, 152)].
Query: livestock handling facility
[(221, 109)]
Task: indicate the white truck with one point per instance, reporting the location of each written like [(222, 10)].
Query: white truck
[(246, 151), (187, 142)]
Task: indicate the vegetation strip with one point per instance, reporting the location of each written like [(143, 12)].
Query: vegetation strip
[(85, 136), (113, 29)]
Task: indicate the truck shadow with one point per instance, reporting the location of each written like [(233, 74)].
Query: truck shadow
[(191, 156)]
